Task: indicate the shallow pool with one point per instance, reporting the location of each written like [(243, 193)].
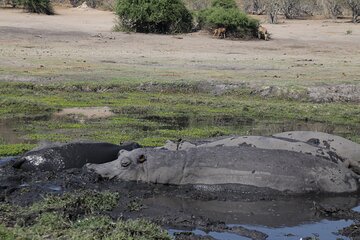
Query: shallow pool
[(324, 229)]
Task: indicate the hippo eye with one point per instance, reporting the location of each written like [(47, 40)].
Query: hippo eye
[(125, 162), (141, 158)]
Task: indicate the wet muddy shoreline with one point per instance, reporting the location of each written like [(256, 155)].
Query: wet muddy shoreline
[(248, 213)]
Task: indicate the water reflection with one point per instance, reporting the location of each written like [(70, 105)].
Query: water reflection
[(7, 134), (280, 219), (5, 160), (234, 124), (269, 213), (324, 229), (253, 127)]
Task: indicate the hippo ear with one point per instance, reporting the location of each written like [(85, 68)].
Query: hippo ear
[(141, 158), (121, 152)]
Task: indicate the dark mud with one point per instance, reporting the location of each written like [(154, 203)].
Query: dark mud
[(187, 211)]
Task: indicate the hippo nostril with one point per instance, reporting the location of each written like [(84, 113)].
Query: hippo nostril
[(125, 162), (141, 158)]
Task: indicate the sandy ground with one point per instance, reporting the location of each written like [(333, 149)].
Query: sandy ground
[(87, 112), (79, 44)]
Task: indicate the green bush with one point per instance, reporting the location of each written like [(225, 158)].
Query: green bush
[(148, 16), (13, 3), (237, 23), (38, 6), (76, 3), (224, 3)]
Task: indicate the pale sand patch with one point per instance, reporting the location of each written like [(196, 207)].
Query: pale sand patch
[(87, 112)]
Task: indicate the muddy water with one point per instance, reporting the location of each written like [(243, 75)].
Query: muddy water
[(324, 229), (7, 134), (5, 160), (243, 126), (280, 219), (252, 127)]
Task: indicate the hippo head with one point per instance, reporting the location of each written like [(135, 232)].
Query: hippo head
[(129, 166)]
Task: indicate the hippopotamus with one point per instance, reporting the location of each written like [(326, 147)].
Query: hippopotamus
[(344, 148), (278, 170), (261, 142), (54, 157)]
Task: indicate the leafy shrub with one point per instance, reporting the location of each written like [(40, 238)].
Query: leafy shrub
[(76, 3), (197, 5), (13, 3), (161, 16), (236, 22), (224, 3), (38, 6)]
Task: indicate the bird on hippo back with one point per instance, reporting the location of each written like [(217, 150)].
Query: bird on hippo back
[(279, 170)]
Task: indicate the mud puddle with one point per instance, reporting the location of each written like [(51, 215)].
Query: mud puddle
[(253, 127), (290, 219), (324, 229), (7, 133), (5, 160), (11, 133)]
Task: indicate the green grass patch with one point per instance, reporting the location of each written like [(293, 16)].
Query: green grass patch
[(88, 202), (78, 215), (15, 149), (168, 111)]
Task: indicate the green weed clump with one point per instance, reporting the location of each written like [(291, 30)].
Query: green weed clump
[(38, 6), (147, 16), (87, 202), (20, 107), (226, 14), (78, 215)]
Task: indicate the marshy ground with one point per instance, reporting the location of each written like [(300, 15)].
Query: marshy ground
[(69, 77)]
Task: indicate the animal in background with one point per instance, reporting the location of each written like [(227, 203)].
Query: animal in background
[(263, 33), (220, 32)]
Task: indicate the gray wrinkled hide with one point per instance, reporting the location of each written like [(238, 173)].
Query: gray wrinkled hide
[(346, 149), (275, 169), (54, 157), (340, 150)]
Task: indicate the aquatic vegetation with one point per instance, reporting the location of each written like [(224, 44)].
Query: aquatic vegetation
[(150, 113)]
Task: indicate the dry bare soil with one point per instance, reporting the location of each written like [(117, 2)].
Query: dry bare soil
[(79, 44)]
